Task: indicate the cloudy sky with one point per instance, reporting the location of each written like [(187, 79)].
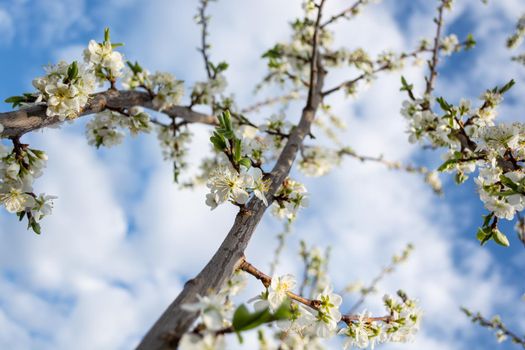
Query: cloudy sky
[(123, 238)]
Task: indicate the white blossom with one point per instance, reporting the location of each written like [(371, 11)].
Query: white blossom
[(168, 91), (65, 96), (196, 342), (107, 63), (328, 314), (227, 184), (211, 309), (277, 293), (449, 44)]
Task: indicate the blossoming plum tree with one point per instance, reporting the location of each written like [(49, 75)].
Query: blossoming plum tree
[(249, 167)]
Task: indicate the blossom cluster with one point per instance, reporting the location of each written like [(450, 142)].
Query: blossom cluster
[(299, 323), (517, 37), (290, 197), (216, 313), (165, 88), (304, 320), (450, 44), (315, 262), (400, 326), (475, 142), (65, 89), (106, 128), (105, 62), (174, 144), (227, 184), (318, 161), (19, 167)]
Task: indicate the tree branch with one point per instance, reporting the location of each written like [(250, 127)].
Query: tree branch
[(432, 64), (313, 303), (344, 14), (18, 123), (175, 321)]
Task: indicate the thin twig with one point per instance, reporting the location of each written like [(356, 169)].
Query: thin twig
[(270, 101), (432, 64), (383, 67), (313, 303)]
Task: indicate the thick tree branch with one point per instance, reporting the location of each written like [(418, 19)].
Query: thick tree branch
[(175, 321), (18, 123)]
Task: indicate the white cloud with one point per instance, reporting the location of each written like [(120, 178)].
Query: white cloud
[(7, 30)]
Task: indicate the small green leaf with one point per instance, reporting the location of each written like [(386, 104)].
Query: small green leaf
[(72, 71), (221, 67), (218, 141), (487, 218), (507, 87), (135, 67), (470, 42), (444, 104), (237, 150), (500, 238), (283, 312), (228, 120), (484, 235), (243, 320), (509, 183), (245, 162), (106, 34), (447, 165), (35, 226), (460, 177), (405, 86)]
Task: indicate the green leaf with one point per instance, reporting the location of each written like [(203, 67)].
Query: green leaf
[(283, 312), (507, 87), (447, 165), (460, 177), (35, 226), (500, 238), (221, 67), (15, 100), (243, 320), (487, 218), (228, 120), (115, 45), (21, 214), (106, 35), (273, 53), (218, 141), (470, 42), (444, 104), (484, 235), (72, 71), (245, 162), (135, 67), (509, 183), (237, 150), (405, 86)]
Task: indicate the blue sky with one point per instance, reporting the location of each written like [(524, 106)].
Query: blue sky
[(124, 238)]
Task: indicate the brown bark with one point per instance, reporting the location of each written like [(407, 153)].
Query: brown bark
[(175, 321), (17, 123)]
